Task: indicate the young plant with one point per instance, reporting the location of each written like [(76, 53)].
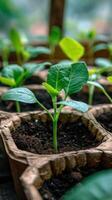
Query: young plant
[(24, 53), (54, 38), (94, 75), (69, 78), (15, 75)]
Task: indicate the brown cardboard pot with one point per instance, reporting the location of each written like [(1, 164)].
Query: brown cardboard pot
[(97, 111), (20, 159), (44, 169)]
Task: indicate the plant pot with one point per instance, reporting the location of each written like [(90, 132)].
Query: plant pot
[(50, 178), (98, 98), (20, 159), (103, 115)]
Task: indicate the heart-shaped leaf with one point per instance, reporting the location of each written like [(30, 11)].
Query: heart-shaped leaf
[(20, 94), (69, 77), (73, 49), (77, 105), (95, 187)]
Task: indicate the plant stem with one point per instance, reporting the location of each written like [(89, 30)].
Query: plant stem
[(55, 121), (91, 93), (44, 108), (107, 95), (55, 142), (18, 107)]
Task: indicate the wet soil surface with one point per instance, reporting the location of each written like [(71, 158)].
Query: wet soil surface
[(36, 137)]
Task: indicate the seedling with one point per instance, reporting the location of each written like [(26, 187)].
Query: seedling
[(24, 53), (15, 75), (54, 38), (94, 75), (69, 78)]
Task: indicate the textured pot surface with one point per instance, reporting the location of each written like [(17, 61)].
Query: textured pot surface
[(20, 159)]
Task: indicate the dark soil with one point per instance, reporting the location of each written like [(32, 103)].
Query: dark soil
[(56, 187), (36, 137), (42, 96), (99, 97), (105, 120), (33, 80)]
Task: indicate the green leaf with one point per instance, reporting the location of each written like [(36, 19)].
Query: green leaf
[(7, 81), (73, 49), (76, 78), (56, 74), (69, 77), (20, 94), (96, 84), (103, 62), (99, 47), (54, 36), (12, 71), (16, 40), (95, 187), (52, 91), (36, 51), (109, 78), (79, 106), (31, 68)]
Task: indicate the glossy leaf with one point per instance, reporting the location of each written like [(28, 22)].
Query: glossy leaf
[(20, 94), (13, 71), (7, 81), (103, 62), (77, 105), (31, 68), (56, 74), (36, 51), (95, 187), (52, 91), (73, 49), (69, 77)]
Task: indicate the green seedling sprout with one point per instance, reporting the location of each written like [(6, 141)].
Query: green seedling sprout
[(69, 78), (15, 75), (54, 38), (24, 53)]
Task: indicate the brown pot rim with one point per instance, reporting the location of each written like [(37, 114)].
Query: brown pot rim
[(34, 176), (23, 156)]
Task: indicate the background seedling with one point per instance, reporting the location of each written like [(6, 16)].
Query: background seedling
[(15, 75)]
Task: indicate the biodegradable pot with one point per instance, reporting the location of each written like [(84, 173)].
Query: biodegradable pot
[(42, 170), (98, 98), (102, 111), (20, 159)]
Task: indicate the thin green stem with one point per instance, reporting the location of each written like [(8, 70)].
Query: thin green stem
[(44, 108), (107, 95), (18, 106), (91, 93), (55, 121)]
